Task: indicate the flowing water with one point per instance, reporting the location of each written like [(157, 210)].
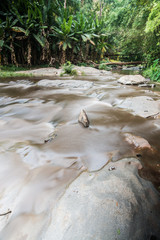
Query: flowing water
[(43, 148)]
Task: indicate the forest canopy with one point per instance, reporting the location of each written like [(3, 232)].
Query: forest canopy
[(44, 31)]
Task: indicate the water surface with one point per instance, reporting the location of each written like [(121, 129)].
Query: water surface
[(43, 148)]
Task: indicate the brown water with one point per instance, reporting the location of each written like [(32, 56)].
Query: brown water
[(34, 174)]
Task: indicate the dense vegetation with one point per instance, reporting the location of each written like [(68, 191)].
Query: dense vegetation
[(54, 31)]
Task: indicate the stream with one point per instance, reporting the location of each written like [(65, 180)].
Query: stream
[(43, 148)]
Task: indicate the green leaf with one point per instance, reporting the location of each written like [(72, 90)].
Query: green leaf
[(118, 231), (84, 38), (14, 22), (18, 29), (44, 27), (69, 45), (64, 46), (39, 40), (88, 36), (27, 32), (7, 47), (73, 38), (31, 25), (1, 43)]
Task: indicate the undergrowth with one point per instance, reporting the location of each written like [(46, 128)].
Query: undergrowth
[(68, 68), (8, 74), (153, 71)]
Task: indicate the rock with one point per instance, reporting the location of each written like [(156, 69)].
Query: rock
[(132, 80), (72, 84), (147, 85), (83, 119), (137, 141), (90, 71), (137, 68), (142, 106), (111, 168), (107, 205), (53, 72), (155, 116), (50, 71), (48, 140)]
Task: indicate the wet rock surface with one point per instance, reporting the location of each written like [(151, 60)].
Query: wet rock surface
[(138, 142), (51, 71), (107, 205), (83, 119), (143, 106), (132, 80), (147, 85), (60, 180), (66, 84)]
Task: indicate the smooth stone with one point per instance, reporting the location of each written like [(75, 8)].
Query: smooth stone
[(91, 71), (83, 119), (51, 71), (65, 83), (132, 80), (147, 85), (143, 106), (137, 141), (107, 205)]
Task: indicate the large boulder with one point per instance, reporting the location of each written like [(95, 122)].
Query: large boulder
[(71, 84), (114, 203), (132, 80), (91, 71), (142, 105)]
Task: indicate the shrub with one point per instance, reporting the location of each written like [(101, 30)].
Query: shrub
[(68, 69), (153, 72), (103, 66)]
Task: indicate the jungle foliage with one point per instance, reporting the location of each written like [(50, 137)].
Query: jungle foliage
[(55, 31)]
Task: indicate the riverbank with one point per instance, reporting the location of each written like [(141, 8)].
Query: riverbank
[(54, 72), (49, 72), (12, 71)]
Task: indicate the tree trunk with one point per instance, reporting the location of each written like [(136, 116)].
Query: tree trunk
[(65, 4), (45, 50), (5, 59), (72, 53), (0, 56), (87, 51), (124, 63), (13, 56), (48, 55), (63, 59), (81, 53), (29, 56)]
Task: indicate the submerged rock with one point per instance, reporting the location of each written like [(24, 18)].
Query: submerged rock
[(83, 119), (107, 205), (132, 80), (147, 85)]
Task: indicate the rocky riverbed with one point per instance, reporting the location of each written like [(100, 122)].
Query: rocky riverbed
[(61, 181)]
